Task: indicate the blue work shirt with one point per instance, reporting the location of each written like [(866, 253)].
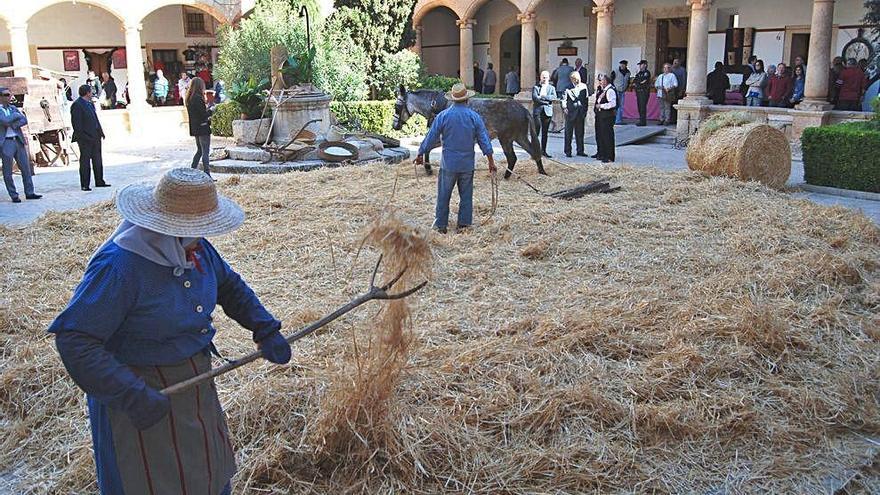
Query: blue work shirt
[(460, 128), (129, 310)]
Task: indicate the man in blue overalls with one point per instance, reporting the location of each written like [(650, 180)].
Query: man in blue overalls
[(460, 128)]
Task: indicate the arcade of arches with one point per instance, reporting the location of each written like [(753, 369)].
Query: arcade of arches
[(452, 35)]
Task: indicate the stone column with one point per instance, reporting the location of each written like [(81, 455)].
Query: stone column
[(418, 46), (466, 51), (137, 86), (604, 11), (21, 53), (816, 88), (528, 63), (698, 49)]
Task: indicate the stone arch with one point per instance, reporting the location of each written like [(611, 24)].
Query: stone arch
[(425, 6), (224, 16), (35, 7), (475, 7)]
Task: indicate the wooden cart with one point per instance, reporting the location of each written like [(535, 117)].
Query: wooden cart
[(48, 129)]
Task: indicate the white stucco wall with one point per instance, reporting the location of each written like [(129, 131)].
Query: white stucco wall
[(565, 19)]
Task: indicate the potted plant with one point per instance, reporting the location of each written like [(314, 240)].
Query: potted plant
[(250, 96)]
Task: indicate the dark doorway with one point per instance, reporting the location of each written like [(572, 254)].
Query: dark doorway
[(800, 46), (672, 40), (511, 53)]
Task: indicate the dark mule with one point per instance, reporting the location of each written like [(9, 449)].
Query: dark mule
[(505, 119)]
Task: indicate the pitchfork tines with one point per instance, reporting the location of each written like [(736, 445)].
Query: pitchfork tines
[(382, 292)]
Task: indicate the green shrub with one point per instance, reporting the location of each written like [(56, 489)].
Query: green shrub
[(843, 155), (438, 82), (404, 67), (221, 120), (376, 116)]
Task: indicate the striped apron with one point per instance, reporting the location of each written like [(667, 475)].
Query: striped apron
[(187, 452)]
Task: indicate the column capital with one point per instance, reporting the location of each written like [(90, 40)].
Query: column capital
[(700, 4), (526, 17), (134, 26), (823, 1), (604, 10), (418, 28), (17, 25), (466, 23)]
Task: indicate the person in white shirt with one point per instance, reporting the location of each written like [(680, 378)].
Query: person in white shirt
[(606, 112), (543, 96), (574, 105), (183, 85), (666, 85)]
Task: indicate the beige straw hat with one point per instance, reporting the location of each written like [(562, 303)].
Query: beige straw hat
[(460, 92), (184, 203)]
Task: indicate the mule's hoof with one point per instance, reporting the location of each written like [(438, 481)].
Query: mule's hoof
[(429, 171), (507, 174), (542, 172)]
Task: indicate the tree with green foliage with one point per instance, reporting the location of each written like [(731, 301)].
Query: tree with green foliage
[(379, 27), (340, 66), (872, 17)]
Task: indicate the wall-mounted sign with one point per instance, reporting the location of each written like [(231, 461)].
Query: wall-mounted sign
[(71, 60), (567, 51)]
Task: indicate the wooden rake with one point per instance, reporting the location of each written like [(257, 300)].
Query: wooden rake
[(373, 293)]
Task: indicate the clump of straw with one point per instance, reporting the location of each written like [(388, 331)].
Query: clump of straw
[(354, 427)]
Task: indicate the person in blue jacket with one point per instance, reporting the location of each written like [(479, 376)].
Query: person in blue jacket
[(461, 128), (140, 321)]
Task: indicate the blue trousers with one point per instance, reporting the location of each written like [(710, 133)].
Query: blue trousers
[(13, 149), (445, 182), (621, 96)]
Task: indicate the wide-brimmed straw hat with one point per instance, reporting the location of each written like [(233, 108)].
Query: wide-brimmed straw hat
[(184, 203), (460, 92)]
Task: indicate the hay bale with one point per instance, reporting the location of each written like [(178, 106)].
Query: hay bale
[(730, 145)]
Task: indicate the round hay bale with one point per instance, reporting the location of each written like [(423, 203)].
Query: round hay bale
[(730, 146)]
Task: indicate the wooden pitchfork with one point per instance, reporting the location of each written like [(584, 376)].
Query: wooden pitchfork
[(373, 293)]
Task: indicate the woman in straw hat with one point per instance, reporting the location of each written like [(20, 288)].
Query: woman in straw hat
[(140, 321)]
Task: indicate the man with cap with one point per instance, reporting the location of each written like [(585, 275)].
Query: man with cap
[(141, 320), (13, 147), (621, 77), (460, 128), (642, 84)]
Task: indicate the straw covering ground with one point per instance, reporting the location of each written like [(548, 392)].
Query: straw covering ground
[(683, 335)]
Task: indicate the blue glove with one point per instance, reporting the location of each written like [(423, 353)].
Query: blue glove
[(275, 348), (149, 408)]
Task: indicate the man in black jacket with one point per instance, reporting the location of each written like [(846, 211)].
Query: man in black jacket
[(717, 84), (642, 84), (88, 133)]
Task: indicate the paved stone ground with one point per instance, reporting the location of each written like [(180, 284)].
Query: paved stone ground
[(128, 161)]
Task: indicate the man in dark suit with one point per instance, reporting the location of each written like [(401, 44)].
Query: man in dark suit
[(543, 96), (12, 147), (88, 133)]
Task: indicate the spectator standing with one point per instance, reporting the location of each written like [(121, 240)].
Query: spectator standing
[(109, 100), (780, 87), (642, 84), (160, 88), (681, 80), (797, 85), (621, 84), (574, 105), (95, 84), (582, 70), (606, 111), (490, 80), (219, 95), (748, 70), (478, 78), (667, 85), (182, 86), (511, 82), (798, 62), (68, 91), (834, 80), (717, 84), (771, 71), (199, 123), (852, 87), (755, 84), (561, 77), (88, 133), (543, 96), (13, 148)]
